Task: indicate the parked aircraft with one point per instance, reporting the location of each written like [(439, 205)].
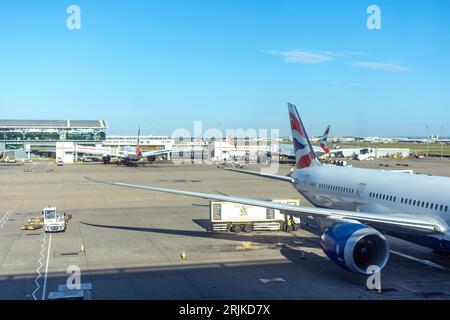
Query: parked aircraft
[(354, 207), (130, 155)]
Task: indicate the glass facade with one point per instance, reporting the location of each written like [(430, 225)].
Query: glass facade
[(52, 134)]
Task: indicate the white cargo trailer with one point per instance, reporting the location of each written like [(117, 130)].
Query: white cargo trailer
[(229, 216)]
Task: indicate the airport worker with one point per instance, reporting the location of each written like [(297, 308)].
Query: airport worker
[(289, 225)]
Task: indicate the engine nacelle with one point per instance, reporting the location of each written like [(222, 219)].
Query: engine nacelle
[(355, 247), (151, 158)]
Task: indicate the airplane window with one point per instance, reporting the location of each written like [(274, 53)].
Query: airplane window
[(395, 199), (427, 205), (370, 195), (390, 198), (446, 207), (401, 200), (384, 196), (423, 204), (410, 201)]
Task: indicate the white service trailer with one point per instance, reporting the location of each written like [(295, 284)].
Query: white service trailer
[(229, 216)]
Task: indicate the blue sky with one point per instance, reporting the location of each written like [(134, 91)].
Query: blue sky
[(230, 63)]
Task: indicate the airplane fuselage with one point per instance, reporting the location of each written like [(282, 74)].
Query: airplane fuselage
[(377, 191)]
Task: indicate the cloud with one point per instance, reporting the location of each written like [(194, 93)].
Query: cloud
[(310, 57), (303, 57), (384, 66)]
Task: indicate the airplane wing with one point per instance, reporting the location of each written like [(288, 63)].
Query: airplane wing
[(153, 152), (265, 175), (318, 150), (426, 225)]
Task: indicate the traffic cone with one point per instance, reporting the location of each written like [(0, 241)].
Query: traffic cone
[(183, 255)]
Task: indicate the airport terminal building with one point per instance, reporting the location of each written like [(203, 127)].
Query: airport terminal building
[(67, 140), (41, 137)]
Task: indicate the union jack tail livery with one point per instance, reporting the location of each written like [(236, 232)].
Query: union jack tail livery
[(138, 145), (304, 154), (323, 140)]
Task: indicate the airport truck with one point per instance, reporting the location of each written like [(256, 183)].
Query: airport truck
[(229, 216), (54, 221)]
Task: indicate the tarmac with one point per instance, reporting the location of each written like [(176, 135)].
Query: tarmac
[(133, 240)]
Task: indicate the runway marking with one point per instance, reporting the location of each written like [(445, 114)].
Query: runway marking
[(264, 280), (46, 267), (38, 270), (425, 262), (5, 219)]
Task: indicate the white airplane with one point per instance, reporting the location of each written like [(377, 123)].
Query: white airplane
[(129, 155), (355, 207)]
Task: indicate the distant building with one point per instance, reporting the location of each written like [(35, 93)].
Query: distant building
[(145, 142), (42, 136)]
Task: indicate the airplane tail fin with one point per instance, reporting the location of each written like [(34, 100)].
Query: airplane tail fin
[(138, 145), (324, 139), (304, 153)]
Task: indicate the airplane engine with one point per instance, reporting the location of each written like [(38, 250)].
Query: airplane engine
[(151, 158), (355, 247)]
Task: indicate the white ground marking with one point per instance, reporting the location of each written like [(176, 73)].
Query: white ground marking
[(5, 219), (38, 270), (46, 267), (425, 262)]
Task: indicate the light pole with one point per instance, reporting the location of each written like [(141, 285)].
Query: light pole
[(427, 142), (442, 141)]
